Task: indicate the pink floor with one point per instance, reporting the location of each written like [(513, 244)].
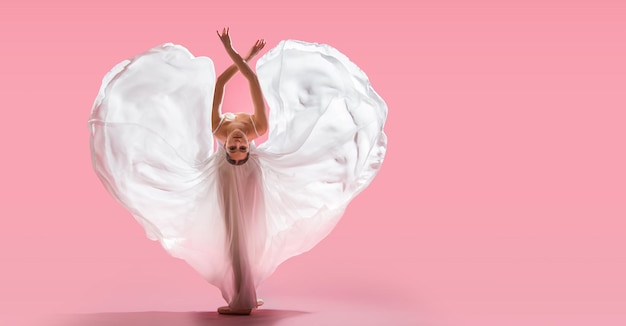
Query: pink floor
[(311, 312)]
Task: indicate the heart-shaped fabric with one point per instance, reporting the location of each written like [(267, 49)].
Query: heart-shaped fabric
[(153, 150)]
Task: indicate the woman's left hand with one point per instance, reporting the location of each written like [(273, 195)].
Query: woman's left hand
[(225, 38)]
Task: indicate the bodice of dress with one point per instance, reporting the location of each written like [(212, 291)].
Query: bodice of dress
[(229, 116)]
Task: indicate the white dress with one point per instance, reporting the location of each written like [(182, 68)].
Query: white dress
[(153, 150)]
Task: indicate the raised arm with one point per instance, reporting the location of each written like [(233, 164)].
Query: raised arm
[(259, 116), (218, 97), (233, 69), (220, 83)]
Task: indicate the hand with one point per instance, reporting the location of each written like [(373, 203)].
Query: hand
[(225, 38), (258, 46)]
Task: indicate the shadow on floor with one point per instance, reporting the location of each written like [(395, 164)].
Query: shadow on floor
[(264, 317)]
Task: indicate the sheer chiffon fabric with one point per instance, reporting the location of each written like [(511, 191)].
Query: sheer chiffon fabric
[(153, 149)]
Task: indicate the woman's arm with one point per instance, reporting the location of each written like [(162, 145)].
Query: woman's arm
[(218, 96), (259, 116), (220, 83)]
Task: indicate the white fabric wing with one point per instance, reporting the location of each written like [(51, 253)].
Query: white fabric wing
[(326, 142)]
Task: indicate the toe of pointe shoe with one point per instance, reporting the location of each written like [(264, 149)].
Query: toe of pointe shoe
[(226, 310), (259, 302)]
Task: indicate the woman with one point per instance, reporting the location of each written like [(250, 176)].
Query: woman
[(236, 131), (235, 212)]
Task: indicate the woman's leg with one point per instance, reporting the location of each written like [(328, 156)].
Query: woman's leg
[(243, 300)]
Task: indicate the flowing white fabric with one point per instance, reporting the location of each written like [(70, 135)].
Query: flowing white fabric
[(153, 150)]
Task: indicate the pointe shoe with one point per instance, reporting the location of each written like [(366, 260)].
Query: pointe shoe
[(259, 302), (226, 310)]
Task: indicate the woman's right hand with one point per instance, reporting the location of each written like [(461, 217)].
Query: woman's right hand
[(256, 48)]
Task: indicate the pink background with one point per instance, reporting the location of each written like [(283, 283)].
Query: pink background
[(502, 200)]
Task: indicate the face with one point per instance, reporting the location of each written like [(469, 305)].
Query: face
[(237, 145)]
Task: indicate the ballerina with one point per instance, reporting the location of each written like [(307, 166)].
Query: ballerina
[(234, 212), (236, 131)]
